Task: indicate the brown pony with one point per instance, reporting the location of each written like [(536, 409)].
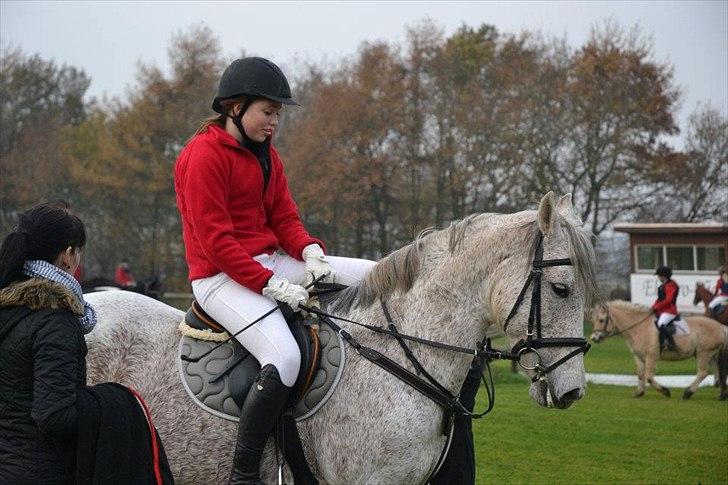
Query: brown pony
[(707, 341), (703, 294)]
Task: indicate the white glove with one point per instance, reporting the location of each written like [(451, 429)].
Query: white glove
[(316, 264), (280, 289)]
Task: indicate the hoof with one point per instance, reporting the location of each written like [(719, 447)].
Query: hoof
[(665, 391), (687, 394), (723, 396), (638, 394)]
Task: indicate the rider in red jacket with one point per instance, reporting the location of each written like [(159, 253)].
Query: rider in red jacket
[(123, 276), (665, 307), (245, 244)]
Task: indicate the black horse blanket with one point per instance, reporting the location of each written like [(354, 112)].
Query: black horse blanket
[(117, 441)]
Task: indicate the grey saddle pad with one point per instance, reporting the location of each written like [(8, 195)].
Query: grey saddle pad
[(213, 395)]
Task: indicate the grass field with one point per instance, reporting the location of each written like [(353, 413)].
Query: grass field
[(608, 436)]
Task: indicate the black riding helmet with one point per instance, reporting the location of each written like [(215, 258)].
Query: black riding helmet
[(664, 271), (255, 78), (252, 76)]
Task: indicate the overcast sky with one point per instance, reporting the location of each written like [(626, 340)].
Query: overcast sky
[(107, 38)]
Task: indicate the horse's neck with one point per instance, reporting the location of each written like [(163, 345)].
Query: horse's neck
[(630, 322), (440, 322)]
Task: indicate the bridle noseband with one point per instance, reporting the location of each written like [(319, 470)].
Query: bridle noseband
[(532, 342)]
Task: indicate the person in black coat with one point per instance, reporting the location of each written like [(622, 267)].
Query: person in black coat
[(42, 349)]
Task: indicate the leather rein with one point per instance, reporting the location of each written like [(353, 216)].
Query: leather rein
[(609, 318)]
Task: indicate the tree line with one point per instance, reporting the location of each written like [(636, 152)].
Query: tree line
[(389, 141)]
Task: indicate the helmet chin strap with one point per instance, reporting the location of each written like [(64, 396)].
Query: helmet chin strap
[(259, 149), (238, 121)]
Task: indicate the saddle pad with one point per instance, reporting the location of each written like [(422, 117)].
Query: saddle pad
[(681, 327), (215, 398)]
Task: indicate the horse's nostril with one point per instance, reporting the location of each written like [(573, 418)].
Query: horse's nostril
[(572, 395)]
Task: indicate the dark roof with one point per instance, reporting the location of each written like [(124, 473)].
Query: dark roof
[(672, 228)]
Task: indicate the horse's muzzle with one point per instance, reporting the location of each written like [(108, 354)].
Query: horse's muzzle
[(597, 337)]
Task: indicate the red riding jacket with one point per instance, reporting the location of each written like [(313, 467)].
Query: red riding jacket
[(666, 298), (721, 288), (226, 217)]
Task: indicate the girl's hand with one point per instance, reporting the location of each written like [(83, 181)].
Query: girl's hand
[(316, 264), (280, 289)]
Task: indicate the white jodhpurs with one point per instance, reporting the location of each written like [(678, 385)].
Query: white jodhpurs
[(235, 306), (665, 318), (718, 300)]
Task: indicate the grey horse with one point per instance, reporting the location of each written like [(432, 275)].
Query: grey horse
[(449, 285)]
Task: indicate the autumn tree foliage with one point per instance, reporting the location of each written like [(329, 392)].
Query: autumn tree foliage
[(479, 121), (38, 99), (389, 141)]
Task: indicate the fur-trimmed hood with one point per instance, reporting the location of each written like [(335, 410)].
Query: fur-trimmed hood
[(38, 294)]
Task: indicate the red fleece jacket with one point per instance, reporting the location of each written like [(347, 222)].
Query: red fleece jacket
[(226, 217)]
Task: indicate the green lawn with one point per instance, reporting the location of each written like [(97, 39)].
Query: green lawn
[(608, 436)]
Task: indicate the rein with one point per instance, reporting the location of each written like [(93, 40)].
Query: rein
[(613, 334), (429, 386)]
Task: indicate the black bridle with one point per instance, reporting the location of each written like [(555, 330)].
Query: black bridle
[(534, 339)]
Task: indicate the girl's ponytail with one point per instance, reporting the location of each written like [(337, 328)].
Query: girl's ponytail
[(13, 253), (43, 232)]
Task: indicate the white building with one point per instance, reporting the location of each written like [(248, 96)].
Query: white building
[(693, 251)]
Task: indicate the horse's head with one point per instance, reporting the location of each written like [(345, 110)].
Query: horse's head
[(602, 323), (699, 288), (561, 286)]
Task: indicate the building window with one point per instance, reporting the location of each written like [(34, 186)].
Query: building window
[(689, 259), (710, 257), (649, 257), (680, 258)]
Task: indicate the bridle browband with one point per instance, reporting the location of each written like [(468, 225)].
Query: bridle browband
[(531, 343)]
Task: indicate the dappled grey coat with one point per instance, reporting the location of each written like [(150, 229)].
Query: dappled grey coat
[(42, 365)]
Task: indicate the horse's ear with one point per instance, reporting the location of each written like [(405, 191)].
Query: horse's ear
[(565, 208), (547, 213)]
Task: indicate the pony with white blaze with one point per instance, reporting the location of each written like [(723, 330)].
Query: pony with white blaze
[(449, 286)]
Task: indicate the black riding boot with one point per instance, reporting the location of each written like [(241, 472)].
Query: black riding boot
[(263, 405), (671, 343), (665, 335)]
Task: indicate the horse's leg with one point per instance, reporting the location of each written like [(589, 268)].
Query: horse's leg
[(650, 363), (640, 376), (703, 368)]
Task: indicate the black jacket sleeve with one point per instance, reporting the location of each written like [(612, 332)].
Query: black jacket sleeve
[(57, 345)]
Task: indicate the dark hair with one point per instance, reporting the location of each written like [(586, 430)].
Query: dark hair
[(664, 271), (43, 232)]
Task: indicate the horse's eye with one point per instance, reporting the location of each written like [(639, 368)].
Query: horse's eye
[(560, 289)]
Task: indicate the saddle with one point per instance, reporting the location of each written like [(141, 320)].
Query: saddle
[(219, 382)]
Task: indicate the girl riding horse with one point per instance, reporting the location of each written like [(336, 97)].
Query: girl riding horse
[(244, 241)]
